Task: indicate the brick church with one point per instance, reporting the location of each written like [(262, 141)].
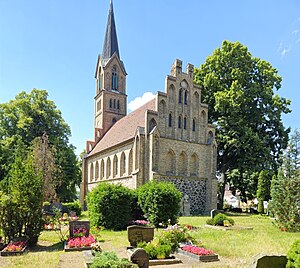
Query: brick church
[(167, 139)]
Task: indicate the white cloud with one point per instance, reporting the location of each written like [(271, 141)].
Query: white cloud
[(285, 51), (295, 32), (298, 40), (139, 101)]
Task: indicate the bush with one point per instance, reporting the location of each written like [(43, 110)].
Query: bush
[(74, 206), (293, 255), (160, 202), (220, 218), (174, 235), (110, 260), (156, 251), (109, 206), (210, 221)]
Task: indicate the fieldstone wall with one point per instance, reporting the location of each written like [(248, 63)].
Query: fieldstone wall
[(195, 188)]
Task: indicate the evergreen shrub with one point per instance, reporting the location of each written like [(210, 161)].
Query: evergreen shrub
[(160, 202), (219, 220), (293, 255), (109, 206), (74, 206), (110, 260)]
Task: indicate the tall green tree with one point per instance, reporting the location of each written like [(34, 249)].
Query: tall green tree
[(285, 189), (263, 188), (27, 117), (239, 90)]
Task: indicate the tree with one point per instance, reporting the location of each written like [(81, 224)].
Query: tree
[(285, 189), (239, 90), (263, 188), (27, 117)]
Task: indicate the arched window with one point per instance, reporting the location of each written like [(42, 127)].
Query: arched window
[(114, 104), (182, 164), (91, 172), (180, 96), (118, 105), (108, 168), (137, 152), (184, 123), (170, 167), (123, 164), (130, 162), (194, 124), (210, 137), (114, 120), (179, 121), (162, 107), (203, 118), (99, 84), (152, 124), (185, 97), (110, 103), (115, 166), (97, 170), (114, 78), (102, 170), (194, 165), (170, 120)]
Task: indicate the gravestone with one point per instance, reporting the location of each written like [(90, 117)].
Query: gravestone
[(137, 234), (269, 261), (215, 212), (140, 257), (186, 206), (76, 225)]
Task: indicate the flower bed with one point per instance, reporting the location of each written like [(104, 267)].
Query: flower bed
[(79, 243), (14, 248), (198, 253)]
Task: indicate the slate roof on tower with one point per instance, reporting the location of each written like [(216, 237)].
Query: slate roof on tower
[(111, 41), (124, 129)]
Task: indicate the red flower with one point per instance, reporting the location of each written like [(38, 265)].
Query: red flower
[(197, 250), (79, 242)]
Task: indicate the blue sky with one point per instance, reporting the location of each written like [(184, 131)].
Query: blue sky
[(53, 45)]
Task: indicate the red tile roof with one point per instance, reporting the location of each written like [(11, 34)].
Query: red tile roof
[(124, 129)]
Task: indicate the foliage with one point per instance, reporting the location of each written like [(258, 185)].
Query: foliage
[(21, 203), (110, 260), (156, 250), (110, 206), (173, 235), (263, 188), (160, 202), (220, 218), (22, 120), (285, 188), (239, 90), (74, 206), (293, 255)]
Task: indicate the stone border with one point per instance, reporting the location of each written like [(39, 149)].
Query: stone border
[(67, 249), (171, 260), (232, 228), (12, 253), (206, 258)]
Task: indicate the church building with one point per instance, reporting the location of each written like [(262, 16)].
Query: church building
[(167, 139)]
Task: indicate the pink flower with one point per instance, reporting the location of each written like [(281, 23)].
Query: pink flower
[(15, 246), (197, 250), (78, 242)]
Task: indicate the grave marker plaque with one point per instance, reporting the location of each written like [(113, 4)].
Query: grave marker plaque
[(139, 233), (76, 225), (140, 257)]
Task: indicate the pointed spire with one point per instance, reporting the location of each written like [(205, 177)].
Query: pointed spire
[(111, 41)]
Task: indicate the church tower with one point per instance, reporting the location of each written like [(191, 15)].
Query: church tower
[(110, 75)]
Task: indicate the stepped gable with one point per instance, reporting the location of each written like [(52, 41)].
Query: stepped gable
[(124, 129)]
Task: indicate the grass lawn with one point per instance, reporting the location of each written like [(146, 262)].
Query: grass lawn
[(235, 245)]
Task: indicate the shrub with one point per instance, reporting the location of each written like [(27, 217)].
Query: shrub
[(293, 255), (110, 206), (74, 206), (220, 218), (156, 250), (160, 202), (210, 221), (173, 235), (110, 260)]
